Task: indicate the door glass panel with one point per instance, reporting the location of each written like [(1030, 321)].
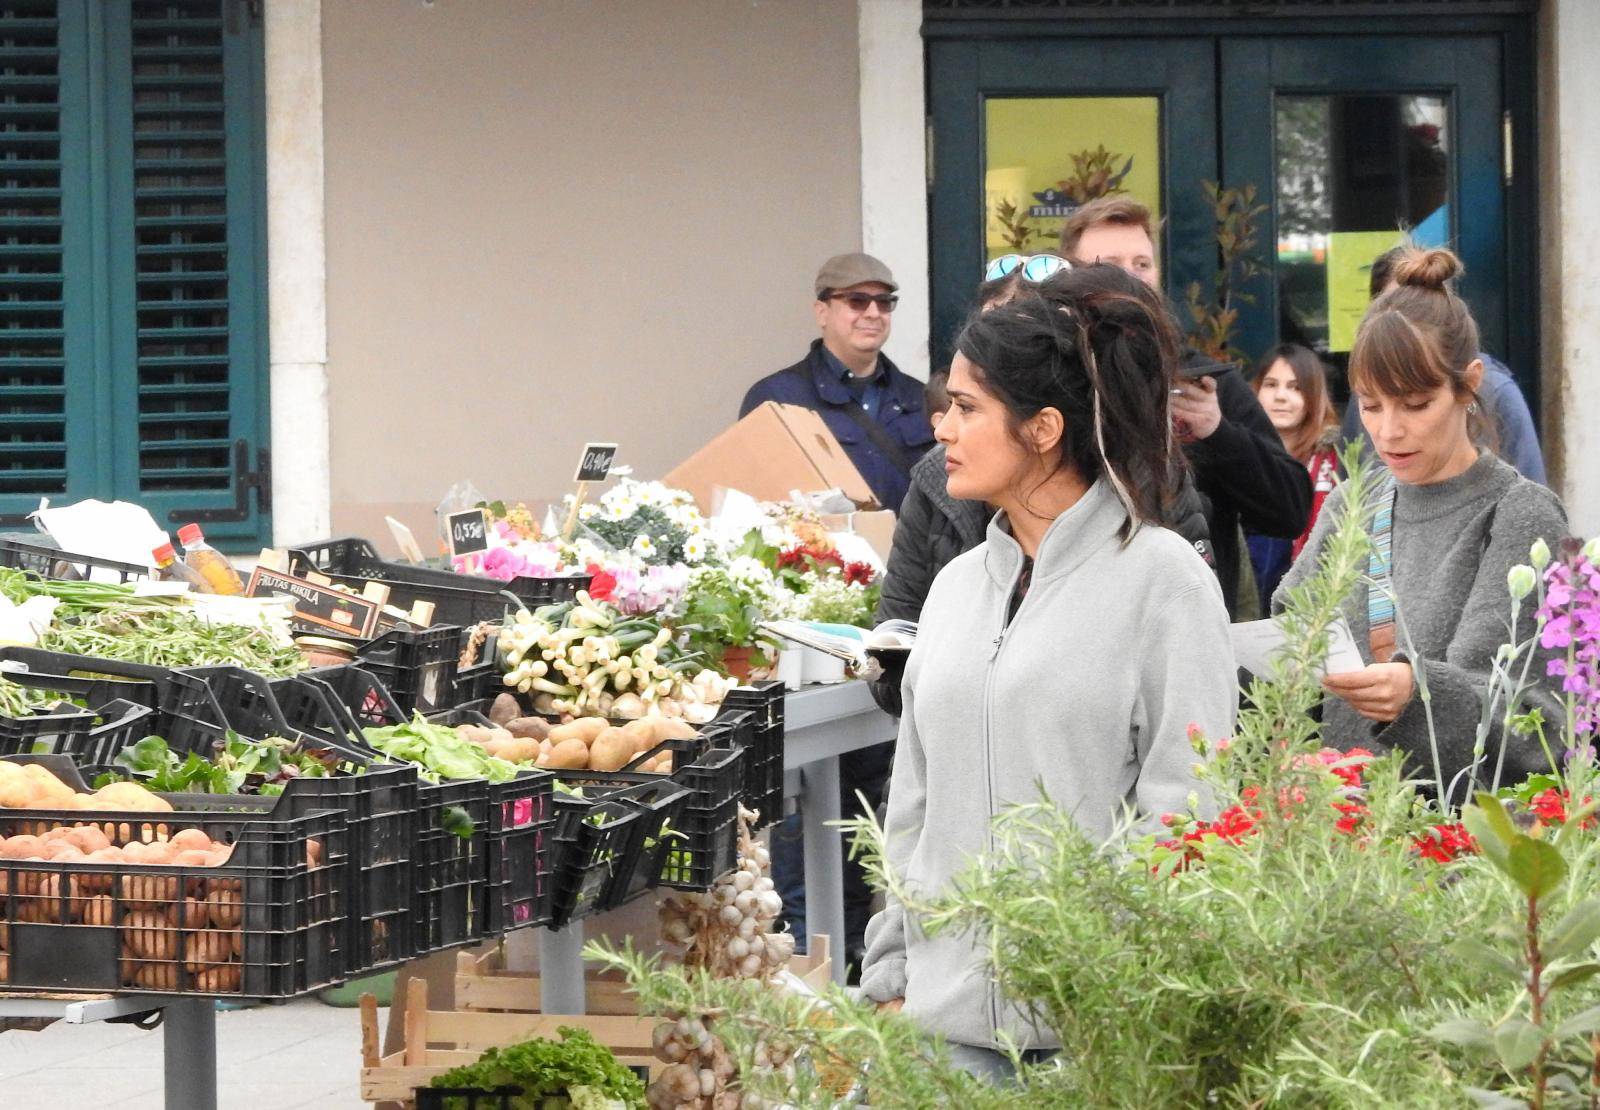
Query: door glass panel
[(1355, 174), (1046, 156)]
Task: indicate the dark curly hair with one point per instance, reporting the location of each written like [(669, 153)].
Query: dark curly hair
[(1097, 345)]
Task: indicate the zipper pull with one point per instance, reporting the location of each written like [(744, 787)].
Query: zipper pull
[(995, 650)]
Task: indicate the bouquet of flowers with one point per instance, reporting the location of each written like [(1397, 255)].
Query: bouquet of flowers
[(658, 525)]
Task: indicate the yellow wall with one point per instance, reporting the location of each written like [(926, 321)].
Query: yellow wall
[(553, 221)]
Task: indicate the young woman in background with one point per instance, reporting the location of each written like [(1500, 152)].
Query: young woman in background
[(1292, 385)]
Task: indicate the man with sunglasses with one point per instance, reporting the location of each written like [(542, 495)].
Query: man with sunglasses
[(879, 417), (875, 411)]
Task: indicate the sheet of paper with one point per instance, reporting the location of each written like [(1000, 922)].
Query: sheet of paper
[(1256, 642)]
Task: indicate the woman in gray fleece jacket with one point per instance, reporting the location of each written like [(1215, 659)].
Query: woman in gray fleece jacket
[(1072, 649), (1458, 519)]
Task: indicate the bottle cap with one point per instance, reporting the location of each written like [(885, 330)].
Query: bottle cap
[(190, 534), (165, 554)]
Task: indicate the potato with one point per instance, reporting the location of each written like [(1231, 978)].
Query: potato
[(149, 936), (5, 968), (222, 979), (589, 728), (571, 754), (99, 910), (224, 908), (195, 840), (190, 913), (505, 708), (205, 948), (673, 728), (22, 846), (644, 733), (533, 728), (558, 734), (157, 977), (611, 750), (149, 888), (514, 751)]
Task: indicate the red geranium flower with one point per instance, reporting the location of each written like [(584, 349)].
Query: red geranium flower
[(1443, 843), (602, 583)]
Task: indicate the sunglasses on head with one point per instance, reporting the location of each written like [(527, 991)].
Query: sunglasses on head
[(858, 301), (1034, 267)]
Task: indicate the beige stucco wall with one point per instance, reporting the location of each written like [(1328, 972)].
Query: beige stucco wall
[(558, 220)]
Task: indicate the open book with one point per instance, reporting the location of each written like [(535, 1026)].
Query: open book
[(866, 653)]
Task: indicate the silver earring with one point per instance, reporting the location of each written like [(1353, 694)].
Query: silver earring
[(1472, 408)]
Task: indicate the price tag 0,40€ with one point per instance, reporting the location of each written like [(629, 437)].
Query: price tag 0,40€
[(595, 465)]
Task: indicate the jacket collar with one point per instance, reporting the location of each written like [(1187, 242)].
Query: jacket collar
[(830, 386), (970, 518), (1070, 541)]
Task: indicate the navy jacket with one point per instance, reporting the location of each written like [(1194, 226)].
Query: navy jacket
[(810, 384)]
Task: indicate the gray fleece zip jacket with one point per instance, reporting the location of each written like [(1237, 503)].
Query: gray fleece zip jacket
[(1114, 652), (1452, 544)]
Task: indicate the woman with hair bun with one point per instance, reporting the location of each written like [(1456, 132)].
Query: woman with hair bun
[(1072, 649), (1451, 519)]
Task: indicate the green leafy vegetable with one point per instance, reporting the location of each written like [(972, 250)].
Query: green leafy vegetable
[(550, 1071), (440, 751), (237, 766), (458, 821)]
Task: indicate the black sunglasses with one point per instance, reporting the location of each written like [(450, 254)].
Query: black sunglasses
[(858, 302)]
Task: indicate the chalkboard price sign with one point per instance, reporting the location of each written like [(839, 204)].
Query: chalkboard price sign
[(595, 465), (469, 532)]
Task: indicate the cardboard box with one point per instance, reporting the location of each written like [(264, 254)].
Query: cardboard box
[(770, 453)]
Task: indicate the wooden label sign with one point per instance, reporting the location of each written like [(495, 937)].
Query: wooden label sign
[(595, 465), (468, 531), (318, 606)]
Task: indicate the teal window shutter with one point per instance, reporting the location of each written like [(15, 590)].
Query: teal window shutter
[(164, 225)]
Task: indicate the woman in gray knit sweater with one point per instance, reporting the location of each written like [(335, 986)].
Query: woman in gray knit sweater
[(1453, 521), (1071, 650)]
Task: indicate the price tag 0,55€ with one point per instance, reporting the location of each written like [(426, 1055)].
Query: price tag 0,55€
[(469, 532), (595, 465)]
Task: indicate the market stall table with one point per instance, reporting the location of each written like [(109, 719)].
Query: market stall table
[(821, 723), (188, 1038)]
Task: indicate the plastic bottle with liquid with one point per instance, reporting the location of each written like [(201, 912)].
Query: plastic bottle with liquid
[(211, 564), (169, 568)]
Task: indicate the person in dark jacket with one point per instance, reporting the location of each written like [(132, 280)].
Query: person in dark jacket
[(873, 409), (1240, 466)]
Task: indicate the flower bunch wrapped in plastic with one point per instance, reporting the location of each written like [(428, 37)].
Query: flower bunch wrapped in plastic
[(654, 523)]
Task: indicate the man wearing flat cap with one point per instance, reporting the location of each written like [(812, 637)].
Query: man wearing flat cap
[(875, 411)]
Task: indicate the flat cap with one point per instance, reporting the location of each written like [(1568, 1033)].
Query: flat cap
[(844, 270)]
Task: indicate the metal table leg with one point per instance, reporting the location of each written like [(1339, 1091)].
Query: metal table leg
[(824, 849), (561, 970), (189, 1053)]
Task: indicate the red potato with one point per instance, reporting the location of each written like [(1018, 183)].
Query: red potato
[(224, 908), (222, 979), (205, 948)]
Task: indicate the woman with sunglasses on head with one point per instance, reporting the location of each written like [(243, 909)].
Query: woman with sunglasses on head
[(1071, 650), (1451, 520), (1292, 385), (935, 527)]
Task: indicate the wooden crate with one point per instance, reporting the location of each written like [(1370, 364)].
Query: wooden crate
[(436, 1041), (499, 1007)]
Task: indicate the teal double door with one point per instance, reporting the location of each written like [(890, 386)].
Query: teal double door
[(1349, 137)]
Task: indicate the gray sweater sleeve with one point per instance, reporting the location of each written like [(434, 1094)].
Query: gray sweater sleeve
[(1187, 678), (1458, 682), (883, 968)]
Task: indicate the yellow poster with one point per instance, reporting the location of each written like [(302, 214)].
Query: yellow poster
[(1046, 156), (1350, 257)]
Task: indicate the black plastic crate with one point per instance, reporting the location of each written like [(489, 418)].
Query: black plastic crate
[(450, 872), (50, 562), (46, 729), (708, 842), (174, 696), (479, 682), (520, 846), (417, 668), (335, 701), (763, 771), (481, 1098), (460, 599), (596, 849), (268, 923)]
